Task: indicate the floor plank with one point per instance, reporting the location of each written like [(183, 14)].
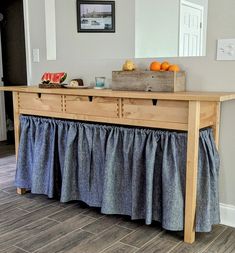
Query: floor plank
[(225, 243), (126, 222), (54, 233), (27, 219), (102, 241), (68, 213), (93, 213), (13, 250), (120, 248), (10, 214), (141, 236), (34, 223), (202, 241), (25, 233), (101, 224), (157, 245), (67, 242)]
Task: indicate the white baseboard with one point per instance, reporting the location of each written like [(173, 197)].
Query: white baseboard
[(227, 214)]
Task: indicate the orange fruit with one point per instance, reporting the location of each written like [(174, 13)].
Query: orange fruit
[(155, 66), (174, 68), (165, 66)]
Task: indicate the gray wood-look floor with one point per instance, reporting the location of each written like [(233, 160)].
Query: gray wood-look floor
[(33, 223)]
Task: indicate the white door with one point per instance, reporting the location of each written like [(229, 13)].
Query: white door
[(3, 134), (191, 32)]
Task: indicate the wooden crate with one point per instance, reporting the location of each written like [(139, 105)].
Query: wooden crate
[(149, 81)]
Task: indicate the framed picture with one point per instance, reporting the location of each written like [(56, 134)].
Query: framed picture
[(96, 16)]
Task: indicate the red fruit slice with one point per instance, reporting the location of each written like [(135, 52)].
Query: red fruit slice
[(46, 78), (54, 77)]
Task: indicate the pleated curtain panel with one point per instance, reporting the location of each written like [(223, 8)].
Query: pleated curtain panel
[(129, 171)]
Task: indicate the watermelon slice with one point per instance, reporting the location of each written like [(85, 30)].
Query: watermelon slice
[(46, 78), (54, 77)]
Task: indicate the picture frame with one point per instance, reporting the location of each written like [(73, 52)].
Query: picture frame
[(95, 16)]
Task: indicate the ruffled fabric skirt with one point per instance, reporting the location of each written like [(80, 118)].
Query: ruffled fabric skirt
[(131, 171)]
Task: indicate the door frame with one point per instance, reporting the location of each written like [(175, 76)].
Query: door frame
[(3, 128), (196, 6), (27, 42)]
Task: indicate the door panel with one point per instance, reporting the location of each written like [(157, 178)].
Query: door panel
[(13, 51), (13, 43), (191, 19)]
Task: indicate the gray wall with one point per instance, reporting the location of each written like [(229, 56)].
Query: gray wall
[(81, 55)]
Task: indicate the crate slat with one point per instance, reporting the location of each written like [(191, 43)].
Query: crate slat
[(149, 81)]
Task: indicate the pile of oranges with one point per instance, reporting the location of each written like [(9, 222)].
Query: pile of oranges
[(165, 66)]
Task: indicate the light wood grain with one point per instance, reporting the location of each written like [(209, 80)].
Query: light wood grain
[(16, 105), (42, 102), (92, 106), (207, 114), (16, 121), (185, 96), (21, 191), (207, 111), (120, 108), (156, 110), (191, 171), (109, 120), (216, 125)]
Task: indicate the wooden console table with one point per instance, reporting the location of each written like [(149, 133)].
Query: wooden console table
[(185, 111)]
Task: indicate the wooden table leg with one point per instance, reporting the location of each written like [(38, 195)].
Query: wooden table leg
[(192, 170), (16, 121), (216, 126), (17, 131)]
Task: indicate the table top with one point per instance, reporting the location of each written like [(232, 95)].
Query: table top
[(184, 96)]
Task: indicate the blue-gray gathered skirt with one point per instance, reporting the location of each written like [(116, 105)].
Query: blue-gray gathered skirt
[(129, 171)]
